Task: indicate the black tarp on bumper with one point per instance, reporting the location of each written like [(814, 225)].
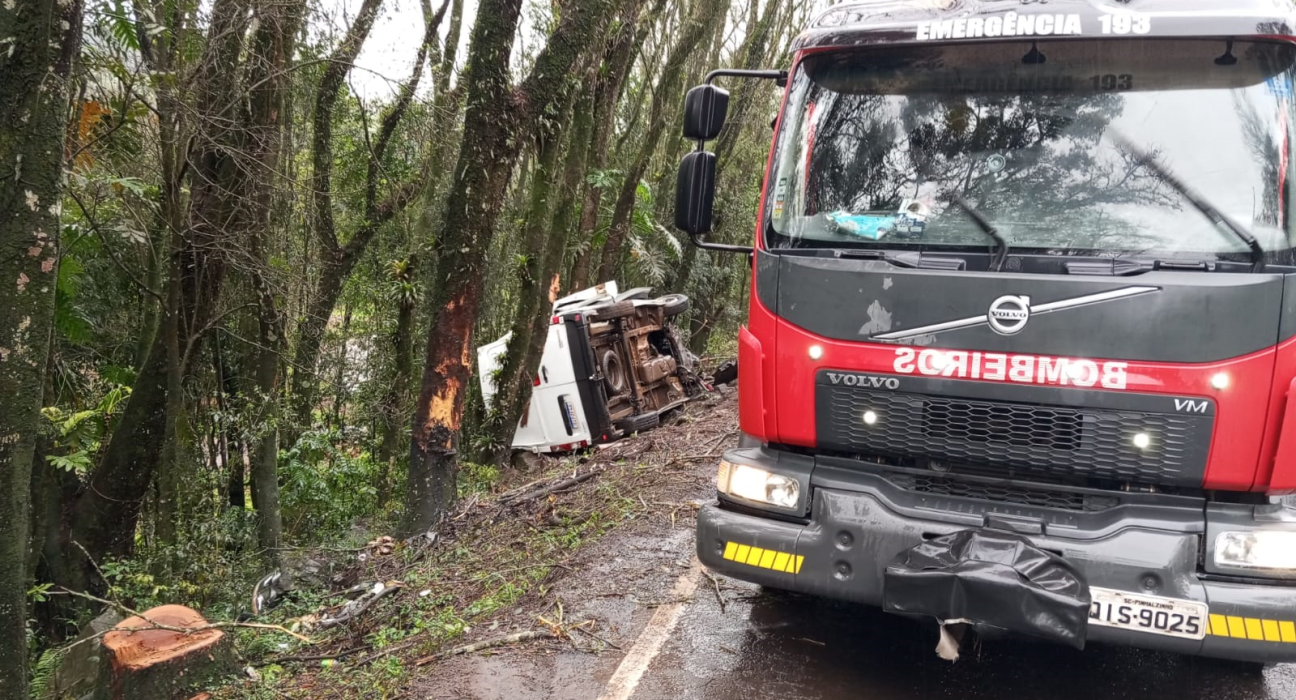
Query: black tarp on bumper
[(991, 578)]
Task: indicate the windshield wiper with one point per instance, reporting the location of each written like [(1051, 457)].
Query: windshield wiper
[(1206, 208), (1001, 245), (911, 259)]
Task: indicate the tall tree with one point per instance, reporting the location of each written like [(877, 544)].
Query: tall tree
[(751, 56), (498, 120), (105, 515), (706, 18), (395, 403), (338, 258), (533, 271), (618, 60), (267, 114), (35, 74)]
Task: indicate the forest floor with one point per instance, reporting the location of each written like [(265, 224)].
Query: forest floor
[(556, 566)]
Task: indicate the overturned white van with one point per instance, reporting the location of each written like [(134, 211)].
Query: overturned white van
[(612, 364)]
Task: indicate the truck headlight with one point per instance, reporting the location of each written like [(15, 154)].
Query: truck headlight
[(754, 484), (1273, 551)]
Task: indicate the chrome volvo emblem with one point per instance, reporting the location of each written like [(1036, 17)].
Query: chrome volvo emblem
[(864, 380), (1008, 314)]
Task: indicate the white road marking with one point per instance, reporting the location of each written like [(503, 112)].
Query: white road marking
[(626, 678)]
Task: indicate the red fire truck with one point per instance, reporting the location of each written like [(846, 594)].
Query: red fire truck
[(1022, 325)]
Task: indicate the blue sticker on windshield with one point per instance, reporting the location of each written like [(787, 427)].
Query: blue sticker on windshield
[(864, 225), (1280, 86)]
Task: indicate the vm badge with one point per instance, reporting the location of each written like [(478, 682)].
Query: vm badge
[(1191, 406), (867, 381), (1008, 314)]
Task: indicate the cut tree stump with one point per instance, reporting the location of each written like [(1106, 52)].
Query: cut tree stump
[(141, 659)]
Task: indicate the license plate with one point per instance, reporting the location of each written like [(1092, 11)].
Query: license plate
[(1147, 613)]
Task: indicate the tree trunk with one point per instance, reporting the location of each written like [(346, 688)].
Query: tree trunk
[(476, 198), (267, 120), (339, 379), (567, 212), (553, 256), (106, 514), (396, 400), (617, 62), (310, 338), (231, 448), (445, 117), (152, 311), (265, 456), (139, 660), (533, 282), (35, 73), (493, 137), (336, 265), (340, 259), (168, 475), (708, 18)]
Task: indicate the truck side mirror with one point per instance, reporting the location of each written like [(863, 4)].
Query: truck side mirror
[(705, 109), (695, 192)]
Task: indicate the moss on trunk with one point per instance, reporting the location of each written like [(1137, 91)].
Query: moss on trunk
[(43, 40), (498, 120)]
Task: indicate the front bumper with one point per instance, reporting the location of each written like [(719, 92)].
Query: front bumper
[(860, 522)]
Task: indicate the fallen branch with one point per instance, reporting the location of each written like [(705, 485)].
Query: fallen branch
[(501, 572), (671, 601), (514, 493), (487, 644), (153, 624), (716, 583), (719, 440), (581, 629), (317, 657), (389, 650), (556, 486), (357, 607)]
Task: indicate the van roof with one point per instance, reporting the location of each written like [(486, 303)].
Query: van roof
[(872, 22)]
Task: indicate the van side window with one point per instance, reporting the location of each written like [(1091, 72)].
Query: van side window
[(564, 410)]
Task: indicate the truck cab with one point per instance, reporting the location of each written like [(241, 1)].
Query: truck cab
[(1022, 324)]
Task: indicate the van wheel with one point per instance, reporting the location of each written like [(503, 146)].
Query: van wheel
[(674, 304), (614, 377), (617, 309), (641, 422)]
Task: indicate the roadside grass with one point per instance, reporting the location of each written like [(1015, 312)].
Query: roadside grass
[(490, 558)]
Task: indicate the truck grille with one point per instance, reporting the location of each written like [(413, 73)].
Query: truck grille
[(1004, 493), (1059, 442)]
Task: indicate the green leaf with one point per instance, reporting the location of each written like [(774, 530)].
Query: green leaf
[(78, 462), (121, 28)]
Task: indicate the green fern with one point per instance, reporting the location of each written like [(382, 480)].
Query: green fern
[(43, 673)]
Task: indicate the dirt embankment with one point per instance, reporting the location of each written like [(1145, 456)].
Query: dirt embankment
[(557, 567)]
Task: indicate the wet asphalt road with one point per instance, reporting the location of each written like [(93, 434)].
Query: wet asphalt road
[(764, 644), (771, 645)]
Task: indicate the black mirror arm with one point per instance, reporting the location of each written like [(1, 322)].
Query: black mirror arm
[(780, 77), (721, 247)]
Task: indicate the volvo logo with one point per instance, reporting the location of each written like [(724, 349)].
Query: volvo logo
[(867, 381), (1008, 314)]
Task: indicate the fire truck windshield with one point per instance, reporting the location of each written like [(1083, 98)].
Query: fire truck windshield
[(875, 145)]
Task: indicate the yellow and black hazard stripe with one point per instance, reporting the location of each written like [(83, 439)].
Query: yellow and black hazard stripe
[(1251, 628), (763, 558)]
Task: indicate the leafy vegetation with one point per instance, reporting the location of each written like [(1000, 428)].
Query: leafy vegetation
[(251, 275)]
